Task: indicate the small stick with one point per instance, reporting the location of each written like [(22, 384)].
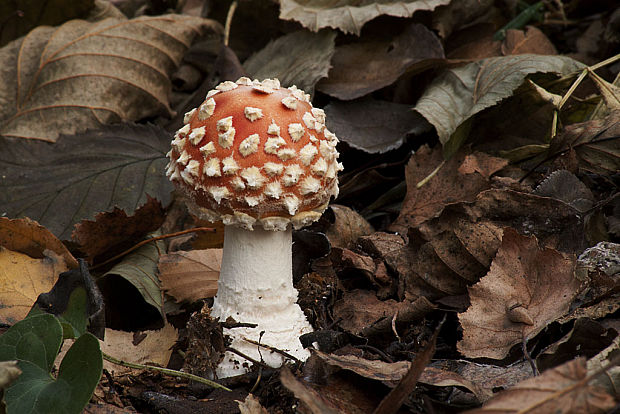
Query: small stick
[(165, 371), (276, 350), (156, 238), (529, 357), (249, 358), (229, 16)]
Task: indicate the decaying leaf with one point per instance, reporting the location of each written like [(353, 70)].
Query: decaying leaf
[(251, 405), (117, 228), (563, 390), (563, 185), (364, 67), (526, 288), (458, 94), (596, 143), (391, 372), (611, 380), (348, 226), (31, 258), (140, 269), (349, 16), (190, 276), (460, 179), (306, 59), (311, 399), (82, 75), (81, 175), (373, 126), (147, 347)]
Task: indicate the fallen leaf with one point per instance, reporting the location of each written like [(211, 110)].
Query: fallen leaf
[(153, 347), (349, 16), (451, 17), (190, 276), (565, 186), (362, 313), (116, 228), (140, 269), (251, 405), (305, 61), (373, 126), (611, 380), (31, 238), (81, 175), (596, 144), (458, 94), (22, 280), (347, 227), (460, 179), (562, 390), (531, 40), (364, 67), (82, 75), (526, 288)]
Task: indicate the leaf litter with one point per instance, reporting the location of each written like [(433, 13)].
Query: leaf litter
[(479, 188)]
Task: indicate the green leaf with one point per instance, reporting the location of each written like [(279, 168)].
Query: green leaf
[(36, 339), (81, 175), (458, 94), (140, 269), (37, 391)]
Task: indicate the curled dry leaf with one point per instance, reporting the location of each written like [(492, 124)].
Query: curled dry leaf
[(306, 59), (562, 390), (373, 126), (364, 67), (349, 16), (460, 179), (82, 74), (115, 228), (526, 288), (348, 226), (190, 276), (458, 94)]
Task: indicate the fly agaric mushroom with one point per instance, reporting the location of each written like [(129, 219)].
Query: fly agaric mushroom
[(259, 158)]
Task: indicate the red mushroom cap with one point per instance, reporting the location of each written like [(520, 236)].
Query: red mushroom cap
[(256, 152)]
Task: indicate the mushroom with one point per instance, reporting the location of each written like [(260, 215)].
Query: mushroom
[(259, 158)]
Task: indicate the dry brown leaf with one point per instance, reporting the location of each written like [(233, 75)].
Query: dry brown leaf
[(251, 405), (29, 237), (311, 399), (190, 276), (526, 289), (349, 16), (364, 67), (562, 390), (115, 228), (147, 347), (459, 179), (23, 279), (392, 372), (82, 74), (347, 227)]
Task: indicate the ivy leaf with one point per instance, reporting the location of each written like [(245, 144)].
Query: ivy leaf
[(80, 175)]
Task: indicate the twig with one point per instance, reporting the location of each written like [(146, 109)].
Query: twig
[(229, 16), (249, 358), (165, 371), (529, 357), (276, 350), (156, 238)]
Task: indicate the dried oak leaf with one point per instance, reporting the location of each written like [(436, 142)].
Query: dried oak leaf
[(363, 67), (527, 288), (306, 59), (461, 178), (562, 390), (373, 126), (349, 15), (81, 75), (116, 228), (190, 276), (458, 94), (81, 175)]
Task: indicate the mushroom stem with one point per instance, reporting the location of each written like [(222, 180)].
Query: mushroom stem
[(256, 286)]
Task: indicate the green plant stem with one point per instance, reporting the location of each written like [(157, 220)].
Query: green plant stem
[(165, 371)]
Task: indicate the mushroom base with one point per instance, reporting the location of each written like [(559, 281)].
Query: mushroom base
[(256, 286)]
